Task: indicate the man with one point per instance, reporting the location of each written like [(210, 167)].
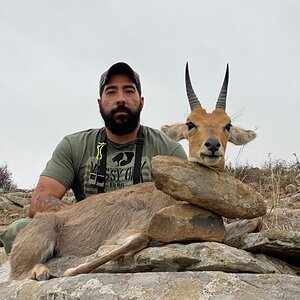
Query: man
[(95, 161)]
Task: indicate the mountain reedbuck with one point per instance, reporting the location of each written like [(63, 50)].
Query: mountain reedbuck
[(122, 217)]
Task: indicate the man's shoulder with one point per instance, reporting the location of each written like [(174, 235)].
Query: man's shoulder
[(158, 143), (153, 133), (83, 134), (80, 139)]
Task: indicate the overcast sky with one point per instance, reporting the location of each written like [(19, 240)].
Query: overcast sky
[(52, 54)]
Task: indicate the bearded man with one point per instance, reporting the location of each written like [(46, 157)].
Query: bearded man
[(99, 160), (79, 158)]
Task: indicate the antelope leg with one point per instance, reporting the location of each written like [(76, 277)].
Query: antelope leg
[(132, 242), (33, 246)]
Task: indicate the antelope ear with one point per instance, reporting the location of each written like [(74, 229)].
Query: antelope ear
[(239, 136), (175, 132)]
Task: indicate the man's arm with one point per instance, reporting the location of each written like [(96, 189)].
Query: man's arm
[(47, 196)]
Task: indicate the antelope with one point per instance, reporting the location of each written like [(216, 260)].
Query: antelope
[(208, 133), (122, 217)]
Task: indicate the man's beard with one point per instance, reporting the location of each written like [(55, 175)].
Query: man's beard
[(123, 124)]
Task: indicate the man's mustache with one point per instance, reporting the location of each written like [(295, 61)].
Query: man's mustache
[(121, 108)]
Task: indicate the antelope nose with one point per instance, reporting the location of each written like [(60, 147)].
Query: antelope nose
[(212, 145)]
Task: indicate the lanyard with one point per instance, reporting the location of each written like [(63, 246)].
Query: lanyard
[(97, 176)]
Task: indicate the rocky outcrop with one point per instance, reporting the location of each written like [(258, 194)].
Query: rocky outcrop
[(158, 286), (251, 259), (206, 256)]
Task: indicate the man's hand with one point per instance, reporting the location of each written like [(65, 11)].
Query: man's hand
[(47, 196), (50, 203)]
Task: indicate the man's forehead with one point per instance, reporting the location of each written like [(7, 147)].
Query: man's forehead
[(114, 85), (119, 80)]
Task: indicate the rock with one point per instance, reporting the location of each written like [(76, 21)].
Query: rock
[(2, 229), (295, 201), (241, 227), (3, 256), (282, 219), (69, 198), (13, 206), (296, 205), (206, 256), (289, 202), (251, 175), (207, 188), (20, 197), (162, 286), (283, 244), (255, 185), (291, 188), (186, 222)]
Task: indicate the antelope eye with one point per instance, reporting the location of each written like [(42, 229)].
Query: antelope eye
[(190, 125), (228, 126)]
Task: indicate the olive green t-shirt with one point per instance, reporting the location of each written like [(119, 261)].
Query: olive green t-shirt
[(74, 159)]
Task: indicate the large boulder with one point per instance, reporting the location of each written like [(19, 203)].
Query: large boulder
[(207, 188), (184, 222)]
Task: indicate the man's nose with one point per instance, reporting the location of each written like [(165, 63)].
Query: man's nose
[(120, 99)]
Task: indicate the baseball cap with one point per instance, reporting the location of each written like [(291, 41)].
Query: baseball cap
[(120, 68)]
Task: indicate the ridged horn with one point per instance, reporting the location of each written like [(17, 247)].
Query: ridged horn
[(193, 100), (221, 103)]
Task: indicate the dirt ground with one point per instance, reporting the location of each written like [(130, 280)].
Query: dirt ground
[(8, 216), (13, 206)]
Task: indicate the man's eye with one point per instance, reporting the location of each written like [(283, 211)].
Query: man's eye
[(129, 91), (190, 125), (109, 92), (228, 126)]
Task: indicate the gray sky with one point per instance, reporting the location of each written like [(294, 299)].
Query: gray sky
[(53, 52)]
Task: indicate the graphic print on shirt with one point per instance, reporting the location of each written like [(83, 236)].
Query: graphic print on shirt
[(123, 158), (119, 171)]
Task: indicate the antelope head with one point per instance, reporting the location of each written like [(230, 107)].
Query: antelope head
[(208, 133)]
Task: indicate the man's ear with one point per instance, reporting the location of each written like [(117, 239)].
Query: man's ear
[(142, 102), (99, 103), (175, 132), (239, 136)]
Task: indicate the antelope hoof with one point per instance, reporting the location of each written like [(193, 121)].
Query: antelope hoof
[(70, 272), (40, 273)]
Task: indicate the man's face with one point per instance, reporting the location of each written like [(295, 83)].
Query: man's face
[(120, 105)]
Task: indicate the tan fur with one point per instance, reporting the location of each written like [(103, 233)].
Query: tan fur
[(81, 229)]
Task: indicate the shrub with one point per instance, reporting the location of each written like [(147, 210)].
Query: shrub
[(6, 181)]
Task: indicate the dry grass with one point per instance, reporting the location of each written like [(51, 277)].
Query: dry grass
[(277, 181)]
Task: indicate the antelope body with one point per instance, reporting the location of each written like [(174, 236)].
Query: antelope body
[(121, 217)]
